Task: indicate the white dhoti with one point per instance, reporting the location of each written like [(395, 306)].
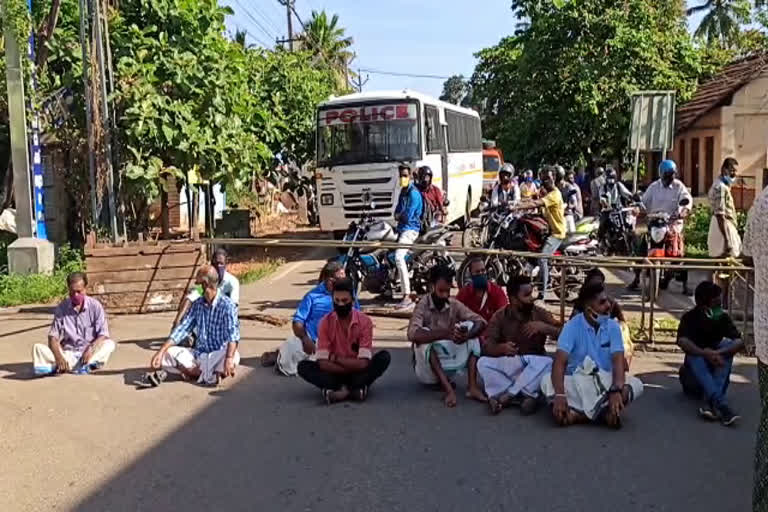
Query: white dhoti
[(716, 241), (209, 364), (44, 362), (289, 355), (587, 389), (513, 375), (453, 358)]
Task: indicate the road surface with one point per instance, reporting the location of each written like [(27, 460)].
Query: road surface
[(263, 442)]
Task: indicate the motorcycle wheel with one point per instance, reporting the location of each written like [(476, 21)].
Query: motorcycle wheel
[(573, 278), (421, 267), (650, 284)]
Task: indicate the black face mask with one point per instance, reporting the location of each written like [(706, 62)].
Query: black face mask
[(439, 302), (342, 310)]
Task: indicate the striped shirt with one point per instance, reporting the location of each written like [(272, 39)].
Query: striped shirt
[(215, 324)]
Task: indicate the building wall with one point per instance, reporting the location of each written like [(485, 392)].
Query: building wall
[(698, 166), (745, 131)]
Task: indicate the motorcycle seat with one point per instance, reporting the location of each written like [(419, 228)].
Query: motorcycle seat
[(431, 235), (585, 220), (576, 238)]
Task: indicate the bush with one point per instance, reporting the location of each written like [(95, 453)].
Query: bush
[(16, 289)]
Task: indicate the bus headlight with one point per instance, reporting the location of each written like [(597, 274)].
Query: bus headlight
[(326, 199)]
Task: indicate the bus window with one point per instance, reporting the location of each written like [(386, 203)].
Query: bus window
[(434, 136)]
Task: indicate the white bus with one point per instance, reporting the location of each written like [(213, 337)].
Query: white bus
[(362, 138)]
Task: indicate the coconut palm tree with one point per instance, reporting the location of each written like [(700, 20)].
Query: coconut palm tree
[(328, 42), (722, 19)]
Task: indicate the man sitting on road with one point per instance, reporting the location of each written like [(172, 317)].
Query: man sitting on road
[(317, 303), (78, 340), (480, 295), (588, 381), (514, 358), (505, 192), (445, 337), (432, 195), (345, 365), (408, 215), (710, 340), (215, 356)]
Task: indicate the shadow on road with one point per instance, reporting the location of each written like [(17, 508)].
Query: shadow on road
[(267, 443)]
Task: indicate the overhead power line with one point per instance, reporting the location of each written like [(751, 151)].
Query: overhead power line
[(248, 34), (258, 24), (396, 73)]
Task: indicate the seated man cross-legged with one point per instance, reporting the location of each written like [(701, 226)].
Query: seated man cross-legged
[(514, 358), (444, 333), (588, 381), (214, 318), (710, 340), (345, 365), (78, 340)]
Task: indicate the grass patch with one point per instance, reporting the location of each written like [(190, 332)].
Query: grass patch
[(250, 272), (17, 289)]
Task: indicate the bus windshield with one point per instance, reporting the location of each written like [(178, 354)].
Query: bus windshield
[(491, 163), (370, 133)]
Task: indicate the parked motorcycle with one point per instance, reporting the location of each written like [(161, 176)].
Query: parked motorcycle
[(664, 232), (375, 270), (618, 233)]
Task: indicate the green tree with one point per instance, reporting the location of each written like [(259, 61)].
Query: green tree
[(455, 89), (560, 90), (328, 42), (722, 20)]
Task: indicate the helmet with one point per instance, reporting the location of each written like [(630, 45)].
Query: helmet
[(425, 171), (611, 173), (507, 169), (667, 167)]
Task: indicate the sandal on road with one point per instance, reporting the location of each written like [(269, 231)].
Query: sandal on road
[(151, 379)]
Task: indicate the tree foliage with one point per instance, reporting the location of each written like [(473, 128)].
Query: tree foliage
[(560, 89), (329, 44)]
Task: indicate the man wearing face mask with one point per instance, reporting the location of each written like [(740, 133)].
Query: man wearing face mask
[(588, 381), (595, 187), (444, 333), (431, 195), (724, 240), (506, 191), (346, 365), (78, 340), (215, 356), (408, 216), (611, 195), (709, 339), (514, 358), (528, 188), (480, 295)]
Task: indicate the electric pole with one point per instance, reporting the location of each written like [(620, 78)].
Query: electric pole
[(289, 16), (358, 81)]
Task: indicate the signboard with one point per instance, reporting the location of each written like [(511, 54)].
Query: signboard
[(653, 121), (367, 114)]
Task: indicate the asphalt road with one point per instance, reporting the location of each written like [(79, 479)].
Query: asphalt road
[(263, 442)]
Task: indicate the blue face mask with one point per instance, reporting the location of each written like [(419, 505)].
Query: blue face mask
[(480, 282), (602, 319), (727, 180)]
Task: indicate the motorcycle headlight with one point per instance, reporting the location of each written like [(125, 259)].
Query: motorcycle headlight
[(658, 234), (326, 199)]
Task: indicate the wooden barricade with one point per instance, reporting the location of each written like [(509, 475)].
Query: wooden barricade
[(142, 277)]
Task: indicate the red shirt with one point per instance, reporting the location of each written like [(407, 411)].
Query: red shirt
[(356, 340), (434, 197), (495, 299)]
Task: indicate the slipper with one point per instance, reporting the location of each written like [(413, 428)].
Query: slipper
[(269, 359), (360, 394), (495, 406), (151, 379), (326, 393)]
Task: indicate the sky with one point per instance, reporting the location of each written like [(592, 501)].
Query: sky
[(425, 37)]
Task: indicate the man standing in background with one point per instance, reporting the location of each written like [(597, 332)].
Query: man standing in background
[(756, 248), (595, 186), (408, 217), (723, 240)]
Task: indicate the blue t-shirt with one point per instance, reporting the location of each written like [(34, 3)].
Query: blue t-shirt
[(317, 303), (579, 339), (409, 203)]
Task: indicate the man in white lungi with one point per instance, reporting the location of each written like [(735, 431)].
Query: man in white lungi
[(723, 240), (444, 333), (214, 318), (514, 358), (78, 341), (588, 381)]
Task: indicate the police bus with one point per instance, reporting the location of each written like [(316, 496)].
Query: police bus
[(362, 138)]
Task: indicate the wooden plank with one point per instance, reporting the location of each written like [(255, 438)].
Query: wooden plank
[(139, 262), (139, 302), (142, 276), (156, 285), (147, 248)]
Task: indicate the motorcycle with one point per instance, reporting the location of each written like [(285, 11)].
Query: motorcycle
[(577, 245), (664, 230), (375, 270), (618, 233)]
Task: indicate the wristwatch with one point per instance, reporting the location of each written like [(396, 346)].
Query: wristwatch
[(614, 389)]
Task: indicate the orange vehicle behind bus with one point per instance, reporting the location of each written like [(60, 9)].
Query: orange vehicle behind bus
[(493, 159)]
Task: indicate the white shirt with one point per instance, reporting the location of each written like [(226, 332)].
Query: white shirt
[(500, 196), (756, 246), (658, 198), (229, 286)]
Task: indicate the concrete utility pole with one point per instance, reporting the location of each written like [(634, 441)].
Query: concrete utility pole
[(27, 254), (358, 82), (289, 16)]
